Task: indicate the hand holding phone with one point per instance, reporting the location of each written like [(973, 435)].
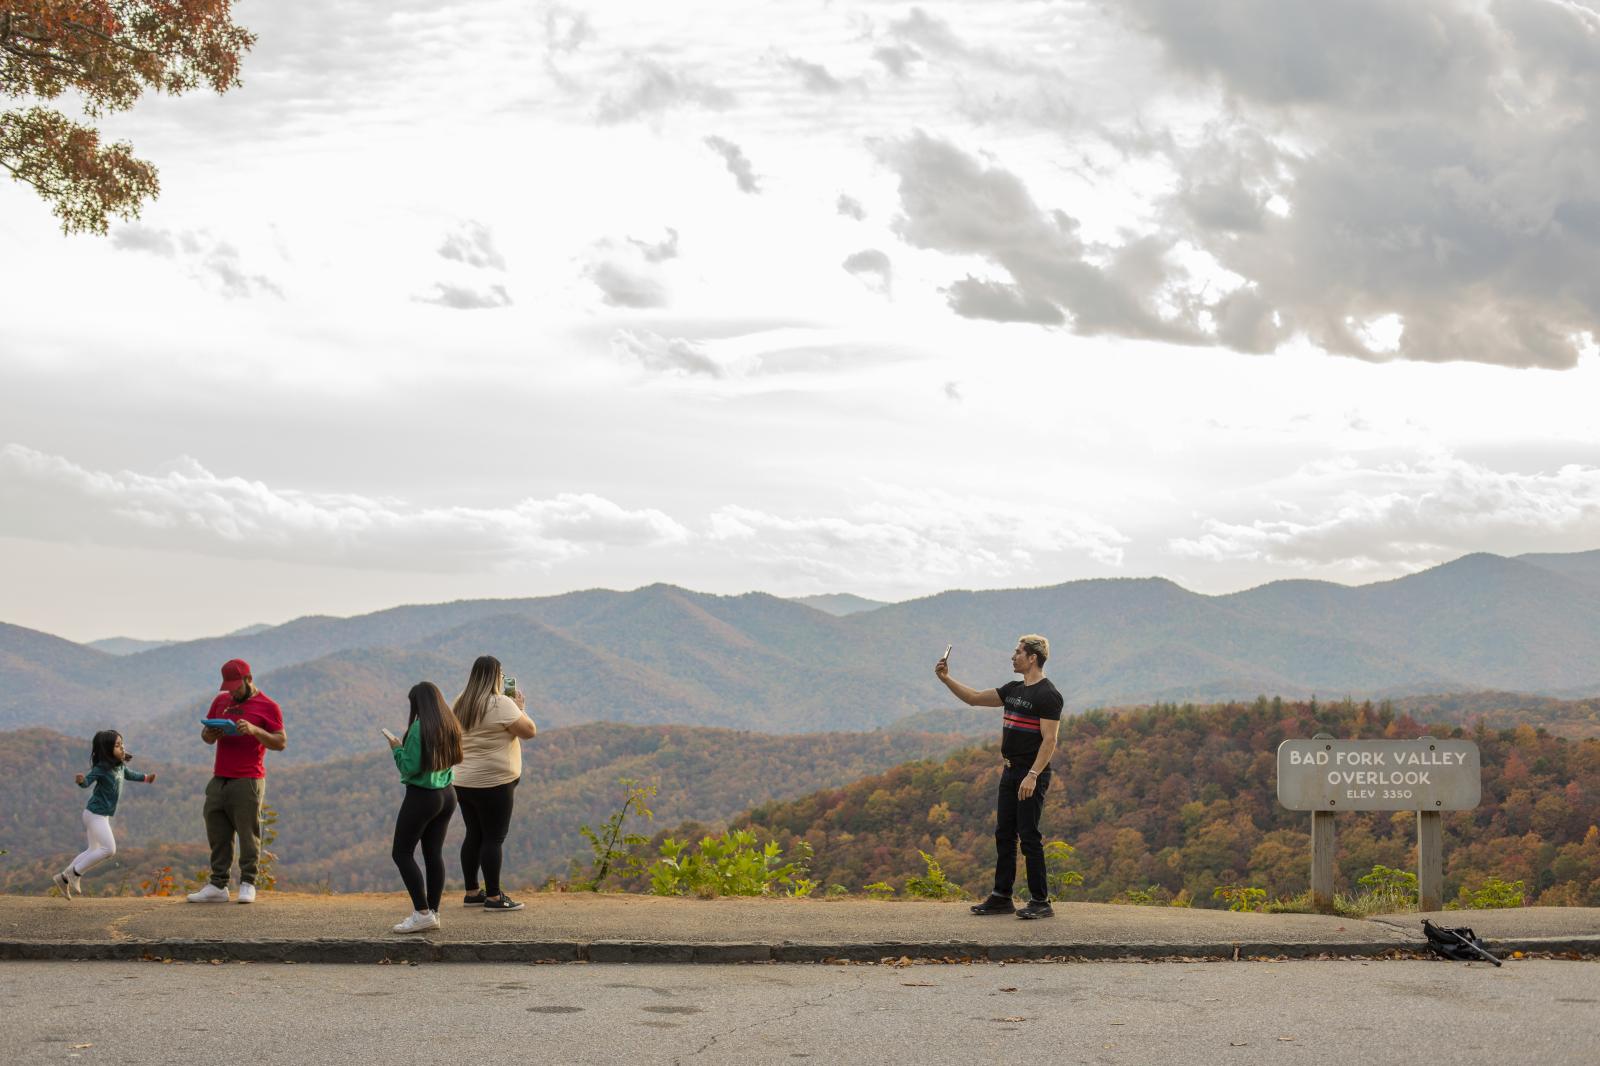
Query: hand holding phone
[(394, 741), (945, 658), (511, 685)]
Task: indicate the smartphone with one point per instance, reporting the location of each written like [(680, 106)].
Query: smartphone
[(945, 658), (511, 685), (390, 736)]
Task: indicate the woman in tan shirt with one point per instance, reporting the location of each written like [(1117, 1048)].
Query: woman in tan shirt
[(493, 727)]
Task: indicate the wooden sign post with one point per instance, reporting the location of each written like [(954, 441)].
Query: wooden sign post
[(1323, 775)]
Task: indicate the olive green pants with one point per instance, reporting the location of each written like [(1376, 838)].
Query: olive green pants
[(233, 808)]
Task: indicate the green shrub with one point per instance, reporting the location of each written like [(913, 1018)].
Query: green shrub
[(729, 865), (1058, 862), (934, 884), (611, 846), (1493, 894), (1241, 897), (1388, 889), (879, 890)]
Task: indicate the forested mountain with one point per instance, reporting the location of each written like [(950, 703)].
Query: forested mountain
[(1183, 799), (666, 655), (336, 818)]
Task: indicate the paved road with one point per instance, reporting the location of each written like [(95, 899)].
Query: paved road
[(1373, 1013)]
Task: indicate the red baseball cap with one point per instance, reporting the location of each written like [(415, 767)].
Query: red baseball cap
[(233, 672)]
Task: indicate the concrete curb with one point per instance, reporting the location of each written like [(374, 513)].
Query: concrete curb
[(418, 950)]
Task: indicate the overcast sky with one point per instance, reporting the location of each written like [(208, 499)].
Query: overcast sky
[(500, 299)]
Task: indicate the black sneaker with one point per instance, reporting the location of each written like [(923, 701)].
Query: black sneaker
[(994, 905), (473, 899), (1036, 909), (504, 903)]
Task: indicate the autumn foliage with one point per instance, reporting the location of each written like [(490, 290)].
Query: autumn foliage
[(105, 54), (1183, 798)]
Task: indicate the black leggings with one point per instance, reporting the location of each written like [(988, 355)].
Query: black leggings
[(487, 814), (425, 816)]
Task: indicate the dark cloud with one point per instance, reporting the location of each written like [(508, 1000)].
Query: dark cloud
[(950, 202), (1434, 161), (473, 245), (872, 267), (850, 207), (465, 298), (657, 88), (733, 156)]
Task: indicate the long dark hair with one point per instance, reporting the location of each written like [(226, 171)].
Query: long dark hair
[(482, 685), (441, 733), (103, 751)]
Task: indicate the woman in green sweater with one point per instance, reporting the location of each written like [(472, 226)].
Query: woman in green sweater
[(426, 757), (106, 777)]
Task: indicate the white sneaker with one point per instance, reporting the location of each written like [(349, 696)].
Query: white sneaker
[(209, 894), (419, 922), (247, 892), (64, 883), (77, 881)]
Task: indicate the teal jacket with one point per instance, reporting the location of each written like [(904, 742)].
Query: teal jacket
[(408, 757), (107, 784)]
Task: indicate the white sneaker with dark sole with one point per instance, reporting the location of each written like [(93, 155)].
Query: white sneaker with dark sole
[(64, 883)]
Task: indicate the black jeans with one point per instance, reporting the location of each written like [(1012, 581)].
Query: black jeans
[(1018, 820), (425, 817), (487, 814)]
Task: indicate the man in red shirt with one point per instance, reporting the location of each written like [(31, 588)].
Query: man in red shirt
[(238, 787)]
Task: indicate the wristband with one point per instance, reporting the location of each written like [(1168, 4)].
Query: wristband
[(1032, 773)]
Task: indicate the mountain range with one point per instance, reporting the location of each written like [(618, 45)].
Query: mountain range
[(666, 655)]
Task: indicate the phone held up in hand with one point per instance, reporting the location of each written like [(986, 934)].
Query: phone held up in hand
[(945, 658), (511, 685), (390, 737)]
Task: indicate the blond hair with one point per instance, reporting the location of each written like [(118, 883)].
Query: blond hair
[(483, 684), (1037, 646)]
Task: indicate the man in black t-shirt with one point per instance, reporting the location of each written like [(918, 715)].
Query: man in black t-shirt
[(1032, 720)]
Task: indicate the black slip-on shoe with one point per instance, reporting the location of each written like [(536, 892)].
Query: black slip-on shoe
[(504, 903), (994, 905), (1036, 909), (473, 899)]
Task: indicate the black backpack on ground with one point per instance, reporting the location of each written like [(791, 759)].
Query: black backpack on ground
[(1459, 945)]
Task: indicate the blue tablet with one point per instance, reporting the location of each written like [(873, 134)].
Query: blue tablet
[(227, 725)]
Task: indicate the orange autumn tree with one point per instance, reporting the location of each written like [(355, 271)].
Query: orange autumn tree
[(104, 54)]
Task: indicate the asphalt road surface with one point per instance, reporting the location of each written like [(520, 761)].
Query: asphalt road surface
[(1416, 1013)]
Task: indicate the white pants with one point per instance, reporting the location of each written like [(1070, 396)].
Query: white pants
[(102, 845)]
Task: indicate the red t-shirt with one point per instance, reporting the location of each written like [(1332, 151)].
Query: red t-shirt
[(243, 756)]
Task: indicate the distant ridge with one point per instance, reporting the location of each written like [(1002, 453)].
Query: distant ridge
[(667, 655), (840, 603), (126, 645)]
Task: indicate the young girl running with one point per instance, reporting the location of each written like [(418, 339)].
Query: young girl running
[(426, 758), (106, 776)]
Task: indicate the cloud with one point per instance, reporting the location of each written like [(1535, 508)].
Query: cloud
[(873, 268), (733, 156), (473, 245), (952, 391), (467, 298), (950, 202), (668, 354), (1416, 513), (896, 59), (850, 207), (1435, 163), (657, 88), (215, 263), (911, 539), (814, 77), (187, 508), (658, 251)]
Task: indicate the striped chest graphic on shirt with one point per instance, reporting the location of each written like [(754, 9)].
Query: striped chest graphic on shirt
[(1018, 715)]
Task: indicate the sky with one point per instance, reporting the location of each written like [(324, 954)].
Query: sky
[(505, 299)]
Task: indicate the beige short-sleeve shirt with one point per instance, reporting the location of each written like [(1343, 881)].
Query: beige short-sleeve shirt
[(491, 756)]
